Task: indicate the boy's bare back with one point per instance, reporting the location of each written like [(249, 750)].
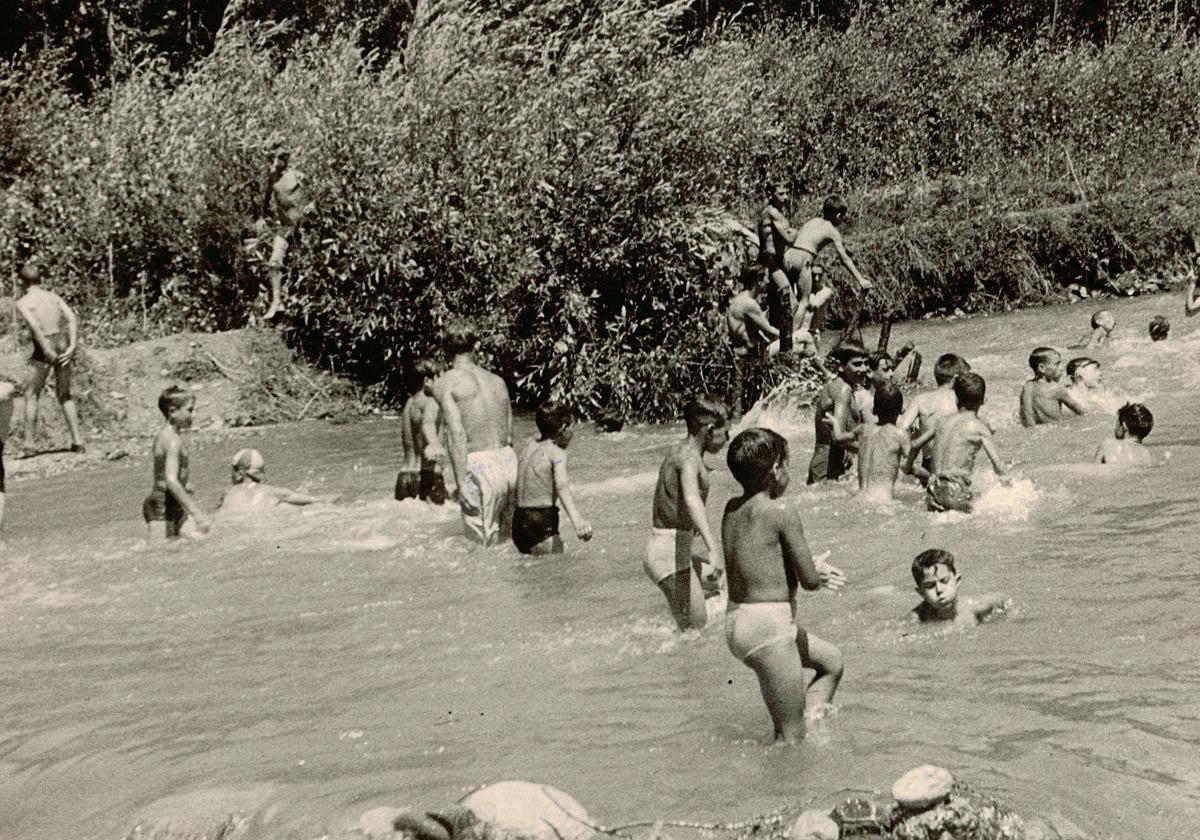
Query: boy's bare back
[(412, 435), (1043, 401), (927, 408), (957, 442), (45, 308), (880, 454), (766, 555)]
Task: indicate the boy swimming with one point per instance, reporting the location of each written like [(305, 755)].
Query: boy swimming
[(542, 482), (1134, 422), (1043, 396), (1083, 373), (883, 447), (421, 451), (250, 490), (679, 514), (767, 560), (937, 584), (836, 415), (170, 504), (956, 441), (1160, 328), (1103, 323)]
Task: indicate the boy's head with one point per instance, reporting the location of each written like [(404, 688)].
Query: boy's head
[(889, 403), (1085, 371), (707, 418), (853, 360), (421, 375), (1134, 419), (777, 194), (1046, 363), (460, 337), (751, 277), (249, 464), (949, 365), (882, 368), (937, 578), (1159, 327), (1104, 320), (834, 210), (969, 390), (176, 403), (553, 421), (758, 460), (30, 275)]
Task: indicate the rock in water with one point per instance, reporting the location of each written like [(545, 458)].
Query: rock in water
[(813, 825), (527, 810), (922, 787)]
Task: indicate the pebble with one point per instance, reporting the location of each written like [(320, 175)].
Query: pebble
[(813, 825), (922, 787)]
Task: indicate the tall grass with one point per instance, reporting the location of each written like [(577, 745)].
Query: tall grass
[(561, 174)]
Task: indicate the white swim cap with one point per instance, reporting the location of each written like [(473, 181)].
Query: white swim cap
[(250, 462)]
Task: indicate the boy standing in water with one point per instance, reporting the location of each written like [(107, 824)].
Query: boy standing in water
[(1135, 421), (937, 584), (170, 504), (883, 447), (54, 330), (927, 408), (250, 490), (679, 514), (836, 415), (542, 482), (420, 475), (1043, 396), (956, 440), (758, 531), (1103, 323)]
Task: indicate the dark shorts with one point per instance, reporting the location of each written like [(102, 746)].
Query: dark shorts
[(532, 525), (426, 485), (829, 463), (161, 506), (2, 465), (949, 492)]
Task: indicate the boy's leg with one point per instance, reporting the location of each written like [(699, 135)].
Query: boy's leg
[(781, 308), (38, 372), (685, 597), (826, 659), (550, 545), (62, 390), (780, 675), (156, 531)]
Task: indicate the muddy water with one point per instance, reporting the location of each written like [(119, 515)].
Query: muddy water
[(307, 666)]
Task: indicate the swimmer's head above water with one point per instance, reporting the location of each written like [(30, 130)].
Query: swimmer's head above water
[(889, 403), (1103, 319), (758, 460), (1160, 327), (948, 366), (1085, 371), (249, 464), (1134, 419), (969, 390), (937, 581), (1046, 363)]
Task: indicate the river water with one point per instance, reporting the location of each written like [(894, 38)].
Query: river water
[(309, 665)]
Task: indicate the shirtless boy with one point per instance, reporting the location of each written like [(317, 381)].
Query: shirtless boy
[(284, 203), (1134, 422), (883, 447), (477, 414), (55, 331), (937, 584), (749, 332), (679, 515), (7, 391), (1043, 396), (170, 504), (956, 441), (421, 452), (542, 482), (768, 560), (1103, 323), (836, 415), (250, 490), (1083, 376)]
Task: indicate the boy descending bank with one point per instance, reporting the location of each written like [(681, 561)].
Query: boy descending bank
[(170, 504), (284, 202), (1043, 396), (1134, 422), (421, 452), (956, 441), (55, 332), (542, 482), (883, 447), (836, 415), (767, 558), (679, 514), (937, 584)]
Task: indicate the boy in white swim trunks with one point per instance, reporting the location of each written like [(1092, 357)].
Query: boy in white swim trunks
[(250, 490), (937, 584), (679, 515), (766, 559)]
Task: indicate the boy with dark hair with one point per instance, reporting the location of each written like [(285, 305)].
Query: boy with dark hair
[(937, 584), (542, 482), (283, 202), (1043, 396), (758, 531), (421, 452), (170, 504), (1135, 421), (679, 514), (836, 415), (1160, 328), (956, 440), (928, 408), (749, 332), (883, 447), (1083, 375)]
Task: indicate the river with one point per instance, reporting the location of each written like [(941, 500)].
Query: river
[(309, 665)]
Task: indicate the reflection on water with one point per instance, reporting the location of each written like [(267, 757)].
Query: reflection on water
[(309, 665)]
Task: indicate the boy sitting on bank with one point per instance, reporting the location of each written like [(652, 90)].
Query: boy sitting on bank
[(766, 559), (937, 584), (1043, 396), (956, 441), (421, 451), (170, 504), (250, 490), (836, 415), (1134, 421), (883, 447), (541, 482)]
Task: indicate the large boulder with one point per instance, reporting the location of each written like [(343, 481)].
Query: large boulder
[(923, 787), (813, 825), (512, 810)]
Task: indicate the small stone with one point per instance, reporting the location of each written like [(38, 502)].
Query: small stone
[(813, 825), (922, 787)]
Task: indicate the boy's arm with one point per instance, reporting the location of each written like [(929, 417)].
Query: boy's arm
[(985, 440), (914, 449), (432, 450), (757, 317), (176, 489), (1068, 399), (812, 573), (910, 414), (1027, 416), (844, 256), (457, 435), (985, 605), (35, 330), (839, 419), (72, 330), (1191, 303), (562, 487), (689, 485), (289, 497)]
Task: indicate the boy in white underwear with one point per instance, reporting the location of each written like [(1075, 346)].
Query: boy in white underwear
[(679, 515), (758, 531)]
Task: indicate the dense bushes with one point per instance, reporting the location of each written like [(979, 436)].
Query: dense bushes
[(567, 186)]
